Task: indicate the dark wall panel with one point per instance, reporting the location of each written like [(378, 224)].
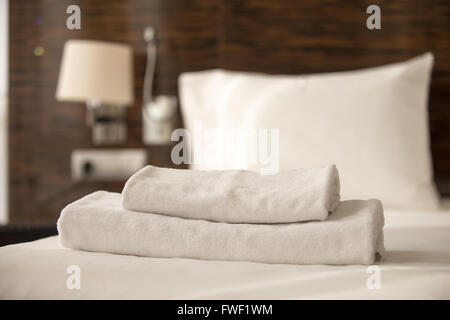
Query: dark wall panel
[(43, 131), (320, 36)]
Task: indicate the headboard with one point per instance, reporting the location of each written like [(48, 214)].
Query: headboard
[(254, 35)]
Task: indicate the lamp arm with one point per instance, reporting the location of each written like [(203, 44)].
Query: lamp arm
[(149, 36)]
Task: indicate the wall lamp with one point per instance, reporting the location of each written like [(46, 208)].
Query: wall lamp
[(99, 74)]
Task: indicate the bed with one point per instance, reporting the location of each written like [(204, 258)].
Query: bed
[(416, 266), (387, 159), (322, 119)]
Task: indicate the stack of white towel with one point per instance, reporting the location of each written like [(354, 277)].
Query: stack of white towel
[(294, 217)]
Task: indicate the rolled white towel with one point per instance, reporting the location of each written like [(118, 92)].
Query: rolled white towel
[(352, 235), (237, 196)]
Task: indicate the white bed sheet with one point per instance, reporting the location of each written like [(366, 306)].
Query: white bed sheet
[(417, 266)]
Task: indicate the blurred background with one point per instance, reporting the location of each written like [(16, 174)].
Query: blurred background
[(3, 111), (39, 133)]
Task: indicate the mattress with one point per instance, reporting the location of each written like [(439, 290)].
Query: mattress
[(416, 266)]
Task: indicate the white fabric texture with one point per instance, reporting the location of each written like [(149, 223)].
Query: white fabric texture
[(237, 196), (98, 222), (372, 123), (416, 266)]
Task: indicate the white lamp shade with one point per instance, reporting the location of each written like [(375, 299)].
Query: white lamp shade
[(96, 71)]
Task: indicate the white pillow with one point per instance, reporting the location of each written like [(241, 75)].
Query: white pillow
[(371, 123)]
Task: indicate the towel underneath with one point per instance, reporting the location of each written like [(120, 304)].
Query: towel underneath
[(97, 222), (237, 196)]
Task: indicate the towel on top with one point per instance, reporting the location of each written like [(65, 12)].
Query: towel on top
[(353, 234), (235, 196)]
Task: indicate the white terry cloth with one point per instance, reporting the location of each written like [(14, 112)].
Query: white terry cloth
[(98, 222), (237, 196)]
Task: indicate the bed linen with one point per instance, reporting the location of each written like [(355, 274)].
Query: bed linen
[(416, 266)]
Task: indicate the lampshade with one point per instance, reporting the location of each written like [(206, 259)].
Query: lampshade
[(96, 71)]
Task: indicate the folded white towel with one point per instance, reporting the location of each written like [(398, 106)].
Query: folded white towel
[(98, 222), (238, 196)]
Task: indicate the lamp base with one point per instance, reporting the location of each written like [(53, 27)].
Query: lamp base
[(108, 123), (104, 133)]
